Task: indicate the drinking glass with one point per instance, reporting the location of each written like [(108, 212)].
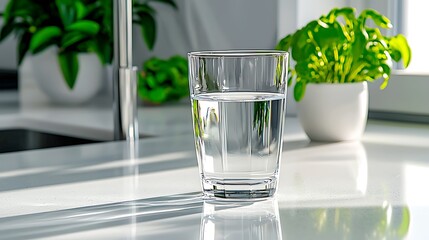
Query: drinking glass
[(238, 108)]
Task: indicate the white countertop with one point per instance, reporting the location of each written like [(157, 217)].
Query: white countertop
[(372, 189)]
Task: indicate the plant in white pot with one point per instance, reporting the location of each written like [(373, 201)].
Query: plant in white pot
[(335, 56), (69, 41)]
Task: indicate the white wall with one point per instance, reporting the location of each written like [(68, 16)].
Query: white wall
[(8, 49), (309, 9), (210, 25)]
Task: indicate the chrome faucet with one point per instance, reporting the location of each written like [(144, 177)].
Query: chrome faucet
[(124, 74)]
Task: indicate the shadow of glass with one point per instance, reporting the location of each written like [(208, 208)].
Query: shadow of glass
[(57, 223), (90, 155), (102, 162)]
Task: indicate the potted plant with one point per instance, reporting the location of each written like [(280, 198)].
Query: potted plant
[(163, 80), (62, 33), (335, 56), (76, 36)]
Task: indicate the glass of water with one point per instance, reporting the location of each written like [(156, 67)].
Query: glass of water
[(238, 107)]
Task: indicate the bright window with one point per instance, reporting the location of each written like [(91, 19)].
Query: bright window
[(415, 28)]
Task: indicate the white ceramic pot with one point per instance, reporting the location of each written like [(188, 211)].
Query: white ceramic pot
[(334, 112), (47, 74)]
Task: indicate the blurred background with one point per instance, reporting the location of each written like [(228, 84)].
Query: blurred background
[(254, 24)]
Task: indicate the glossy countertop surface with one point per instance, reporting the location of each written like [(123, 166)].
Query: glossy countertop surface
[(375, 188)]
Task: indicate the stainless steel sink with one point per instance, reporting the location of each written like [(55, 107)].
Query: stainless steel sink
[(20, 139)]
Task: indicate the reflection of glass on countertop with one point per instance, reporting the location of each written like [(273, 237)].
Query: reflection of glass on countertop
[(240, 221), (326, 171)]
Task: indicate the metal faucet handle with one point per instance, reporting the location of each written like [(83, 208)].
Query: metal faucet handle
[(128, 102), (125, 75)]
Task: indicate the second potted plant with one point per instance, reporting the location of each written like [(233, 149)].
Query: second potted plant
[(334, 60), (163, 81)]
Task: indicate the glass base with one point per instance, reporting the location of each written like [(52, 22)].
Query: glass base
[(239, 189)]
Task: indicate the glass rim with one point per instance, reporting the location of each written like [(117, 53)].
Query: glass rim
[(238, 53)]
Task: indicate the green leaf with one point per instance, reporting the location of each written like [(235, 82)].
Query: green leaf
[(8, 10), (23, 13), (158, 95), (153, 64), (44, 37), (151, 81), (181, 64), (148, 29), (405, 222), (66, 11), (143, 93), (20, 8), (161, 77), (285, 43), (69, 65), (358, 46), (302, 69), (399, 44), (106, 8), (302, 45), (299, 90), (103, 50), (23, 46), (143, 8), (84, 26), (348, 13), (81, 10), (72, 38), (168, 2), (378, 18), (7, 29), (328, 35), (384, 84), (290, 79), (175, 75)]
